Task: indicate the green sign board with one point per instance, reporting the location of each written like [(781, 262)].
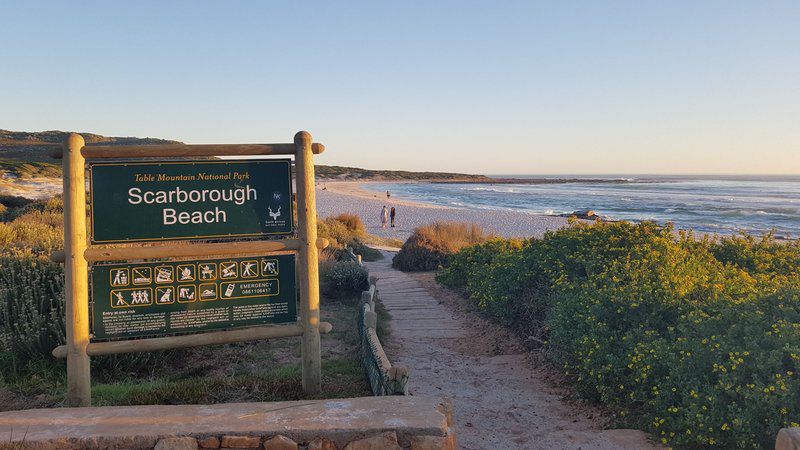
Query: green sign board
[(142, 299), (151, 201)]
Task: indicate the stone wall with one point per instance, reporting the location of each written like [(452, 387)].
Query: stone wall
[(393, 422)]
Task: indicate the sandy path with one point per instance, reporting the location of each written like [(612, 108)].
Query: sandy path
[(502, 401)]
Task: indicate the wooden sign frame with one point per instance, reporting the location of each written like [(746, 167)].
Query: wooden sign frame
[(78, 255)]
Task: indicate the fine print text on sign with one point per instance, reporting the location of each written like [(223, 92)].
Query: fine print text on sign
[(149, 201), (142, 299)]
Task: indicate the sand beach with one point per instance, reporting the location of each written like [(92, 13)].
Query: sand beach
[(336, 197)]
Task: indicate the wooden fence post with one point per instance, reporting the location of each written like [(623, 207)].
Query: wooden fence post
[(76, 273), (308, 267)]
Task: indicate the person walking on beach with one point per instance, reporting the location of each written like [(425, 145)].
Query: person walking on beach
[(384, 217), (391, 215), (388, 195)]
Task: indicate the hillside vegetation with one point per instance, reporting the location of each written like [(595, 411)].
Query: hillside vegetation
[(695, 341), (26, 155), (353, 173)]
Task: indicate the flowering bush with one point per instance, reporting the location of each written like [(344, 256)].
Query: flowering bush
[(696, 341)]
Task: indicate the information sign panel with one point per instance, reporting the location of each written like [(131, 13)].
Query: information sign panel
[(151, 201), (143, 299)]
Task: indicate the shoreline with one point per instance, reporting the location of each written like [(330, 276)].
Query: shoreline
[(356, 189), (337, 197)]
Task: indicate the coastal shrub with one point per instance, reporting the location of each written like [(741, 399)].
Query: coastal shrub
[(346, 230), (20, 206), (764, 255), (34, 227), (331, 254), (14, 201), (25, 235), (336, 232), (353, 223), (32, 315), (343, 279), (430, 246), (694, 340), (32, 319), (7, 235), (31, 307)]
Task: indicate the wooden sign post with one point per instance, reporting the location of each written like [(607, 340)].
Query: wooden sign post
[(76, 276), (309, 262), (251, 294)]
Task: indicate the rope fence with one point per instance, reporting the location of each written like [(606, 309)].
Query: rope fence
[(384, 378)]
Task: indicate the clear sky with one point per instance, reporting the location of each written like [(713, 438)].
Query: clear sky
[(488, 87)]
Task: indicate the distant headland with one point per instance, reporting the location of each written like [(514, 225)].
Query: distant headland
[(25, 156)]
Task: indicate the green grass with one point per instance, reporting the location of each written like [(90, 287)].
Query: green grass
[(340, 378), (371, 239), (39, 377), (383, 329), (243, 372), (46, 381), (367, 253)]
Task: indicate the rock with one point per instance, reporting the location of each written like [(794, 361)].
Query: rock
[(241, 442), (209, 442), (280, 443), (177, 443), (434, 442), (322, 444), (788, 439), (446, 408), (586, 214), (385, 441)]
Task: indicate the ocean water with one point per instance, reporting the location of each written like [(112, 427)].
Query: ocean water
[(717, 204)]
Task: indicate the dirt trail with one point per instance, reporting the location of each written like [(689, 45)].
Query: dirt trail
[(501, 399)]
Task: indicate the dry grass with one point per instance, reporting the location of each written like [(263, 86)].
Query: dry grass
[(353, 223), (430, 246)]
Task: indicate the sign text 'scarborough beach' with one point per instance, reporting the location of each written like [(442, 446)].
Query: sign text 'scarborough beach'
[(189, 200)]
